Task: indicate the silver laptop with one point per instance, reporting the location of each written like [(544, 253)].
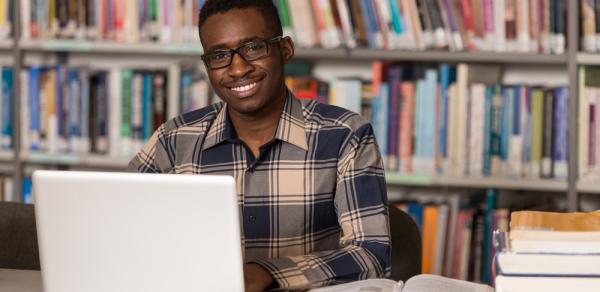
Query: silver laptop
[(137, 232)]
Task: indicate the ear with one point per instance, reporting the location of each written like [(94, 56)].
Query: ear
[(287, 49)]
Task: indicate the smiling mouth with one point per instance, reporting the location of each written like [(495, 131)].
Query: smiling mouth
[(243, 88)]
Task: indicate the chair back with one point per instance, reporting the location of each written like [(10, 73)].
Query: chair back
[(406, 245), (18, 237)]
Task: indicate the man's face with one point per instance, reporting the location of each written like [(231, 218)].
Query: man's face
[(248, 87)]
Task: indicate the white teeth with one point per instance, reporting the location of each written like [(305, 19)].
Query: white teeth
[(244, 87)]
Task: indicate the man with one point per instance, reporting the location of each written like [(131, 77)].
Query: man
[(310, 180)]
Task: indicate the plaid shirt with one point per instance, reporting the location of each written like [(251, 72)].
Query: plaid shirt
[(312, 205)]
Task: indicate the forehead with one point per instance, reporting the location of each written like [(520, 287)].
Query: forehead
[(231, 28)]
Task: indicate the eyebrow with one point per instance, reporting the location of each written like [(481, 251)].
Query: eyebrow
[(226, 47)]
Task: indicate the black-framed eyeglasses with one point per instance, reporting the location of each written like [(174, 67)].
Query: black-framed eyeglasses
[(249, 51)]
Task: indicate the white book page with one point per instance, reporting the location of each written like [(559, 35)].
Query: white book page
[(433, 283), (371, 285)]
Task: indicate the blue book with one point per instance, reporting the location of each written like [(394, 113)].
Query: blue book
[(487, 139), (397, 21), (516, 111), (561, 131), (61, 100), (490, 204), (380, 118), (506, 126), (527, 133), (370, 22), (418, 120), (353, 95), (415, 210), (85, 110), (428, 121), (34, 108), (7, 105), (147, 107), (27, 193), (447, 77), (74, 101)]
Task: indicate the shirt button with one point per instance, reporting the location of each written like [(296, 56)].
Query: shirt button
[(252, 219)]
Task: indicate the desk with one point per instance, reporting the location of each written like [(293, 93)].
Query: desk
[(20, 281)]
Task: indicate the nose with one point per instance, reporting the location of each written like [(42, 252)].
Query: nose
[(239, 67)]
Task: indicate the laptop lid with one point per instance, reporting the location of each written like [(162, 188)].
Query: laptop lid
[(137, 232)]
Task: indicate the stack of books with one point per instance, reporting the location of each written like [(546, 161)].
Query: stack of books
[(550, 252)]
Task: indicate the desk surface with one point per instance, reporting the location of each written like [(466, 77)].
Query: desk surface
[(20, 281)]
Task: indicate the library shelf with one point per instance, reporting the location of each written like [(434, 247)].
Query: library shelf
[(320, 53), (7, 156), (551, 185), (588, 59), (6, 45), (458, 57), (107, 47), (589, 187), (81, 160)]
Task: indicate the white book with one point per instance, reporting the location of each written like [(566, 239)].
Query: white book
[(511, 263), (303, 23), (584, 124), (440, 238), (419, 283), (174, 77), (115, 149), (25, 19), (500, 24), (523, 40), (333, 34), (476, 130), (546, 284), (136, 112), (462, 73), (347, 28)]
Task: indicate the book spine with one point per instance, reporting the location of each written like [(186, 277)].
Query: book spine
[(407, 126), (7, 105), (73, 118), (443, 115), (84, 136), (548, 126), (561, 128), (147, 107), (537, 118)]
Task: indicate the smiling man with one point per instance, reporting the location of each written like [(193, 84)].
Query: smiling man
[(310, 180)]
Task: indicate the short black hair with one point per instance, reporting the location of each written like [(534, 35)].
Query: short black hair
[(266, 8)]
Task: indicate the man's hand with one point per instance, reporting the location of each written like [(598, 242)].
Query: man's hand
[(256, 279)]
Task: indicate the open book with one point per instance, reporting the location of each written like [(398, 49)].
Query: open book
[(419, 283)]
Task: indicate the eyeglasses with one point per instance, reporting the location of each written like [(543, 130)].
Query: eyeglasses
[(249, 51)]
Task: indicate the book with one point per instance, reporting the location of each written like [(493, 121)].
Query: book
[(576, 221), (419, 283)]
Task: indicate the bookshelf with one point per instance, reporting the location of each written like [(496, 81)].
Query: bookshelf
[(570, 60)]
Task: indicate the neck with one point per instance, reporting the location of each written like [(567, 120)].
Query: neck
[(258, 128)]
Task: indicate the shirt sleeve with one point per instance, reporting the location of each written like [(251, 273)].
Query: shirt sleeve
[(153, 157), (364, 245)]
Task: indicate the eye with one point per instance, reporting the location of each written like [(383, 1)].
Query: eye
[(255, 46), (217, 56)]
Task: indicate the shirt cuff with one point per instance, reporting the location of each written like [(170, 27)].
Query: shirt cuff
[(286, 273)]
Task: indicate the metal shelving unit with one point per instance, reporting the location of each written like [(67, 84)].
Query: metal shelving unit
[(570, 60), (550, 185), (91, 161), (456, 57)]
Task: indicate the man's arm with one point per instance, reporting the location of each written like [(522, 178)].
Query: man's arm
[(152, 158), (365, 246)]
